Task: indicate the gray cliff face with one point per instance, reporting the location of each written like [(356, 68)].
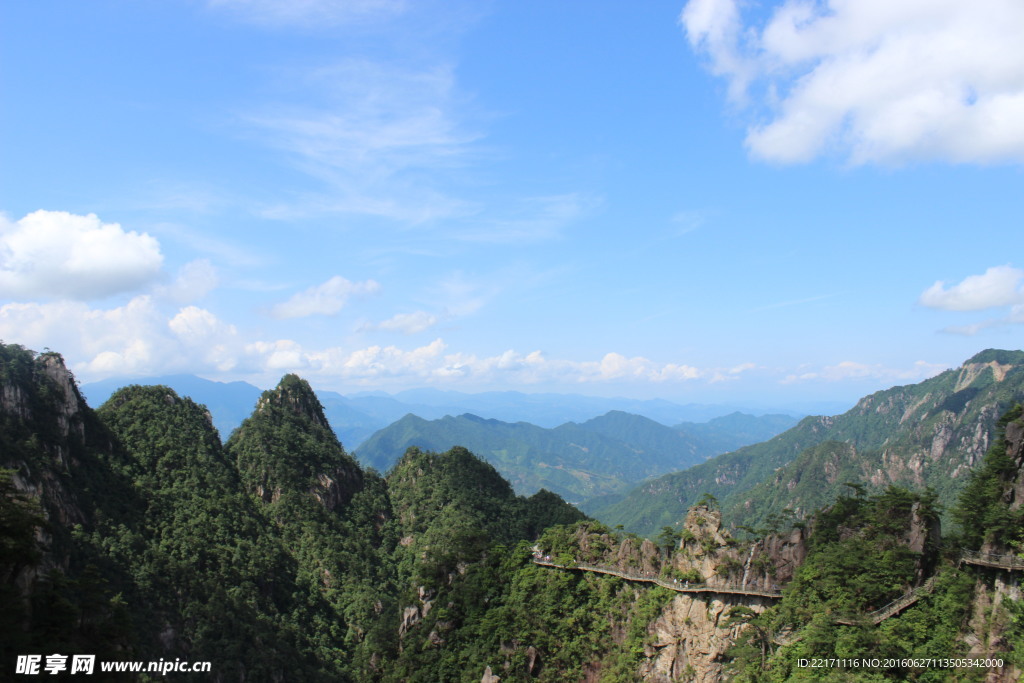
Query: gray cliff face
[(1014, 494), (49, 412), (994, 589), (49, 439)]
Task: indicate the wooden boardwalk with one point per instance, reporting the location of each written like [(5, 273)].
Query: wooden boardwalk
[(673, 586), (1008, 562)]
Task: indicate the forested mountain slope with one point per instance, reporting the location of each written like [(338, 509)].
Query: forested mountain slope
[(578, 461), (133, 534), (926, 434)]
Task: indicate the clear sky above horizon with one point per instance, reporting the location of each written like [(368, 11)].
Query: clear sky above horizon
[(706, 201)]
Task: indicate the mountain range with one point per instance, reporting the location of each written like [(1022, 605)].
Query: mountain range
[(355, 417), (929, 434), (578, 461), (133, 533)]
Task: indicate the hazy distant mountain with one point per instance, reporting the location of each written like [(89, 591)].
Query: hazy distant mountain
[(729, 432), (228, 402), (353, 419), (356, 416), (551, 410), (576, 460)]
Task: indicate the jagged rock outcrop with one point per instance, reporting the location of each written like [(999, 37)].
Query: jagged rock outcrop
[(692, 634), (691, 637), (710, 551)]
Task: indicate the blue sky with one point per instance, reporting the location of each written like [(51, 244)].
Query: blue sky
[(708, 201)]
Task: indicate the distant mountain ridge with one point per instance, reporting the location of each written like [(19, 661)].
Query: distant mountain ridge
[(926, 434), (355, 417), (597, 457)]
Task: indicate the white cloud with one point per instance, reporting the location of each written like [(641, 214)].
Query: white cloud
[(614, 366), (873, 80), (142, 338), (63, 255), (851, 370), (997, 286), (283, 355), (323, 299), (136, 338)]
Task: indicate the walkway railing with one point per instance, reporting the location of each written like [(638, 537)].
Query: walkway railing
[(674, 586), (1011, 562)]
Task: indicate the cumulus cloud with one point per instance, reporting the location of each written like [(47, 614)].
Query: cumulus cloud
[(615, 366), (324, 299), (851, 370), (62, 255), (147, 337), (136, 338), (872, 80), (998, 286)]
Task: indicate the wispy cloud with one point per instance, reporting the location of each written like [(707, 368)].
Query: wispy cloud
[(793, 302), (226, 251), (684, 222), (378, 138), (873, 80), (326, 298), (406, 323), (309, 13), (533, 219), (851, 370)]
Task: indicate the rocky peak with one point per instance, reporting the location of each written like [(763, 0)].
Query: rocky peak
[(998, 361), (288, 445), (296, 396)]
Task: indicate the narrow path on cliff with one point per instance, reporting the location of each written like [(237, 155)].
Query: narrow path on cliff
[(671, 585), (1007, 562)]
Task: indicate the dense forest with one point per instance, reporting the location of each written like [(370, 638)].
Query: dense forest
[(133, 532)]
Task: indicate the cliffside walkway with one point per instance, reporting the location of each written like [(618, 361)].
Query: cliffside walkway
[(894, 607), (678, 587), (1009, 562)]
